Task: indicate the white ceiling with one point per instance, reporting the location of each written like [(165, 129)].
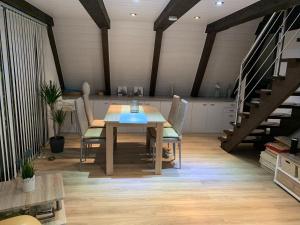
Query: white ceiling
[(147, 10), (209, 12), (61, 8)]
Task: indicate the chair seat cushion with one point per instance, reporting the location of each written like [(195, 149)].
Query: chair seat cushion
[(98, 123), (167, 125), (20, 220), (167, 133), (95, 133)]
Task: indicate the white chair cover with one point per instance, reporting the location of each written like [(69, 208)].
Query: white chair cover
[(180, 116), (87, 104), (174, 109), (81, 116)]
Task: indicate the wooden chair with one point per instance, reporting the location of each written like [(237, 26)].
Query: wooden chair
[(173, 134), (88, 109), (173, 111), (89, 136)]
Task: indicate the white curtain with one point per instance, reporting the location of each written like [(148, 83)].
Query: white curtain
[(22, 119)]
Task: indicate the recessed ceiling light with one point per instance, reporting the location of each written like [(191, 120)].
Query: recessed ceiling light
[(219, 2), (173, 18), (133, 14), (197, 17)]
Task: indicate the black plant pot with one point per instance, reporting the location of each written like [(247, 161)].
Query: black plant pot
[(57, 144)]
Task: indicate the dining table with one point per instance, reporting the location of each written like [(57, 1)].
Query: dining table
[(122, 116)]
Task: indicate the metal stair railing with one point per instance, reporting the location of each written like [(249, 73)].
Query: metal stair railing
[(283, 42)]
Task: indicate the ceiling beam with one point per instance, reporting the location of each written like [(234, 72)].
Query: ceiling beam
[(155, 62), (174, 8), (209, 43), (254, 11), (30, 10), (105, 52), (96, 9), (55, 56)]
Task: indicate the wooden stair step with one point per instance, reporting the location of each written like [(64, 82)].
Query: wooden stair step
[(254, 133), (245, 114), (264, 91), (290, 105), (278, 77), (280, 116), (289, 60), (250, 141), (223, 138), (235, 125), (253, 103), (269, 124)]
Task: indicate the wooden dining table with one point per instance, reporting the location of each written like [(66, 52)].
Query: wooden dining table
[(120, 116)]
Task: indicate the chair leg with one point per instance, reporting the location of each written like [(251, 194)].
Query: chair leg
[(81, 149), (174, 150), (179, 147)]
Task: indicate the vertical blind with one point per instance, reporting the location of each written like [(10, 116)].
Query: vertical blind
[(23, 115)]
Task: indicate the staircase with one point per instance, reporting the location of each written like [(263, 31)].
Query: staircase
[(257, 119)]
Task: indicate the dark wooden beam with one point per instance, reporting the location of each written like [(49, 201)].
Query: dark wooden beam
[(209, 43), (254, 11), (174, 8), (155, 62), (30, 10), (56, 59), (97, 11), (105, 50)]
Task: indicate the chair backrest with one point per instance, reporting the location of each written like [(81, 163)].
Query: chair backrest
[(81, 116), (87, 103), (174, 109), (180, 116)]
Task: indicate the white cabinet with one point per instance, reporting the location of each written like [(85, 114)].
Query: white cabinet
[(198, 118), (202, 116), (211, 117)]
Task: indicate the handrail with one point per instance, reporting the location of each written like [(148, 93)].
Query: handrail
[(281, 39), (271, 65), (242, 79), (257, 40)]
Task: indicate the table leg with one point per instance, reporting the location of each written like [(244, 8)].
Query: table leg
[(109, 149), (159, 145), (58, 205), (148, 139)]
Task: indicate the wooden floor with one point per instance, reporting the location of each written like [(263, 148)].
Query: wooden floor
[(213, 187)]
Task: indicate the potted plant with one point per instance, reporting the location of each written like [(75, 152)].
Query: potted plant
[(28, 177), (50, 94)]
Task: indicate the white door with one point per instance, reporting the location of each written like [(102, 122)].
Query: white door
[(214, 120), (198, 117)]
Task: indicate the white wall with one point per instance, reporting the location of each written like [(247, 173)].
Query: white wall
[(182, 46), (131, 50), (131, 46), (79, 47), (50, 69), (50, 72), (230, 47)]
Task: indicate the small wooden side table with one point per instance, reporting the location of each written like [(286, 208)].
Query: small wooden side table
[(49, 189)]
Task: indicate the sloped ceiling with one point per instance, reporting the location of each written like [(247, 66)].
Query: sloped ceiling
[(131, 41)]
